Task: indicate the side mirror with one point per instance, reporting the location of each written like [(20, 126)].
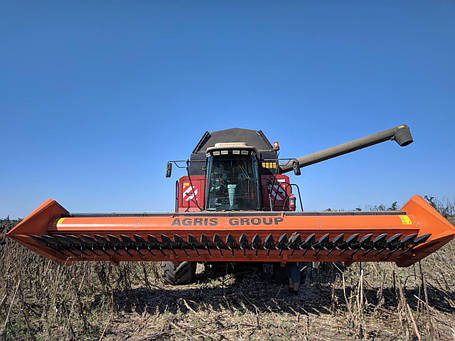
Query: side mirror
[(296, 167), (168, 169)]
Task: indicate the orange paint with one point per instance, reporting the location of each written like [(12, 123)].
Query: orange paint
[(419, 217)]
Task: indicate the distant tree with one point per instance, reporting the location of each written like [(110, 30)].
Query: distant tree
[(444, 206), (431, 200), (394, 206)]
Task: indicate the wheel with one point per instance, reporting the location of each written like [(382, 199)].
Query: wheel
[(183, 273)]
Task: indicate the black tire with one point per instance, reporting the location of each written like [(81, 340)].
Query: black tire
[(183, 273)]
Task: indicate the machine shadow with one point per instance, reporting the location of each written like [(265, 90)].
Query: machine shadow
[(252, 293)]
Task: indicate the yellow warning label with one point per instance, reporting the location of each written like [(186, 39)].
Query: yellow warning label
[(405, 220), (186, 184)]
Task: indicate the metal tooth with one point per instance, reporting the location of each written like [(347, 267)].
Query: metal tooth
[(282, 243), (179, 243), (336, 242), (106, 243), (50, 239), (400, 245), (131, 244), (142, 243), (378, 243), (194, 243), (39, 239), (57, 241), (116, 243), (206, 242), (364, 243), (295, 241), (78, 244), (407, 241), (307, 244), (243, 241), (392, 244), (415, 242), (422, 239), (93, 243), (389, 244), (167, 243), (269, 243), (65, 244), (321, 244), (127, 240), (230, 241), (219, 243), (43, 241), (155, 244), (350, 242), (396, 242), (81, 245), (256, 243)]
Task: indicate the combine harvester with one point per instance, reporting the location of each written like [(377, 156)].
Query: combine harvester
[(236, 205)]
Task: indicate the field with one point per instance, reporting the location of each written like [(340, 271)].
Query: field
[(40, 300)]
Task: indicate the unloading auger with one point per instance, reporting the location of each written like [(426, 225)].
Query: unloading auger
[(236, 204)]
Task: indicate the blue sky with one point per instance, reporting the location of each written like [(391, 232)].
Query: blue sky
[(95, 97)]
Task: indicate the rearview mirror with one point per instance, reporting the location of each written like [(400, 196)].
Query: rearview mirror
[(168, 169)]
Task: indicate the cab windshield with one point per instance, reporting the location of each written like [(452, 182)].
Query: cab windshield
[(232, 183)]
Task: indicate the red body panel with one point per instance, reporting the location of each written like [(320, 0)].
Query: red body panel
[(276, 191), (191, 194)]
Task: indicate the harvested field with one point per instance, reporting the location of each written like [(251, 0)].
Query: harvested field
[(40, 300)]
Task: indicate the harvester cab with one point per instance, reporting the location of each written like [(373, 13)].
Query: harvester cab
[(233, 170), (232, 178), (235, 204)]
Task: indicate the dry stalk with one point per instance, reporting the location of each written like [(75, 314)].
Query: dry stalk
[(424, 284), (416, 330), (24, 313), (3, 331)]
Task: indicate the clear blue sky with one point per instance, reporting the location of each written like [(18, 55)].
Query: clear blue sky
[(96, 96)]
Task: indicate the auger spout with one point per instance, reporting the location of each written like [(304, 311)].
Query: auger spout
[(401, 134)]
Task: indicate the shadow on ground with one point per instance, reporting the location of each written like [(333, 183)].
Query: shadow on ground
[(254, 292)]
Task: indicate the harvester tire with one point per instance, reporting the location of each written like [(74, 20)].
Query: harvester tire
[(182, 273)]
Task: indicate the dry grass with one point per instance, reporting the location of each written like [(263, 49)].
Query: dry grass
[(40, 300)]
